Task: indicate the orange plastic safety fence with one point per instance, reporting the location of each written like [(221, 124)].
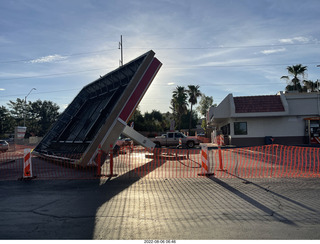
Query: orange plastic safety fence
[(165, 163), (270, 161), (62, 167)]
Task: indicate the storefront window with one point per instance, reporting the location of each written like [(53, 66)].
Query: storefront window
[(225, 129), (240, 128)]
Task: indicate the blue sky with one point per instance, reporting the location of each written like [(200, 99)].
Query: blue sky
[(231, 46)]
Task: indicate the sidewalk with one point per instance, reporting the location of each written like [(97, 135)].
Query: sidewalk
[(122, 208)]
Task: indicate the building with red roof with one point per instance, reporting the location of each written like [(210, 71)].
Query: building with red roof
[(284, 118)]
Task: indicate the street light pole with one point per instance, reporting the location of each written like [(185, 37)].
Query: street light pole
[(25, 104)]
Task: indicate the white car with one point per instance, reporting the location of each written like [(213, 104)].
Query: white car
[(173, 139), (4, 146)]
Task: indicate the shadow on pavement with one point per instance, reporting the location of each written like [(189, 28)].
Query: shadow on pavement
[(137, 208), (58, 209), (274, 193), (253, 202)]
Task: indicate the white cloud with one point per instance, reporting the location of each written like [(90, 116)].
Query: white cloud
[(271, 51), (229, 62), (170, 83), (2, 89), (294, 40), (48, 59)]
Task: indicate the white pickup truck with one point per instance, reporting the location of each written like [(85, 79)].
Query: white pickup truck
[(172, 139)]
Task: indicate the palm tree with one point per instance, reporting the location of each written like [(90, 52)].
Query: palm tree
[(295, 71), (179, 104), (194, 93), (310, 86)]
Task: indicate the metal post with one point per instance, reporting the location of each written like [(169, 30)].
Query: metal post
[(111, 162), (220, 158), (24, 109), (121, 51), (99, 161)]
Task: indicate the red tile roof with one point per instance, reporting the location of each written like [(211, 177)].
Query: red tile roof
[(256, 104)]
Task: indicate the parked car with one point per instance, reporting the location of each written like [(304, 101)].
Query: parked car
[(162, 136), (123, 141), (4, 146), (172, 139)]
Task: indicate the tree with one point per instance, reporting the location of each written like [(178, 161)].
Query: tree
[(204, 105), (185, 120), (39, 115), (156, 115), (44, 114), (310, 86), (153, 121), (193, 93), (17, 111), (296, 71), (6, 121), (179, 104), (138, 120), (204, 125), (167, 118), (150, 122), (203, 108)]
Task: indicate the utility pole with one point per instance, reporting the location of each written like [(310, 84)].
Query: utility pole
[(121, 51), (318, 79), (318, 98)]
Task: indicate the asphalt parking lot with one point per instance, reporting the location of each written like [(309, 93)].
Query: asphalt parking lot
[(156, 208)]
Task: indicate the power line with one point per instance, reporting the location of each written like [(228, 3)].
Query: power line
[(201, 85), (51, 75), (35, 93), (168, 67), (233, 65), (165, 48), (63, 55), (226, 47)]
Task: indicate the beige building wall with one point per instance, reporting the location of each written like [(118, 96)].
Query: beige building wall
[(287, 127)]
